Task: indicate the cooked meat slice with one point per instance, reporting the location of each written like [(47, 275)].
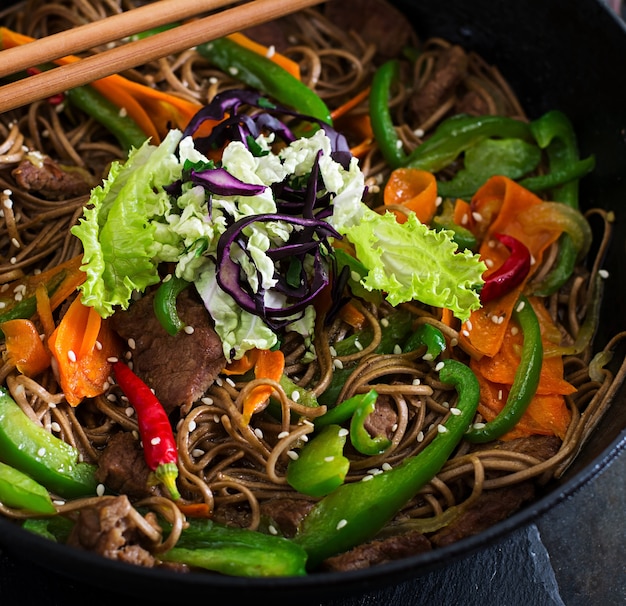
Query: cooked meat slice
[(449, 71), (382, 421), (493, 506), (270, 34), (378, 22), (50, 180), (108, 528), (286, 514), (122, 467), (379, 552), (179, 368)]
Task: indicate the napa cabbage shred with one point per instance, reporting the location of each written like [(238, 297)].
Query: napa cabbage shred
[(230, 228)]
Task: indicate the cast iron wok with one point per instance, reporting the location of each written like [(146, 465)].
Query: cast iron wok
[(557, 54)]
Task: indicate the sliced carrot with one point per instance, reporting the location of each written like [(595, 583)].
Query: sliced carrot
[(352, 316), (285, 62), (499, 203), (154, 111), (44, 311), (243, 364), (24, 347), (194, 510), (82, 345), (269, 365), (414, 189), (350, 104), (547, 414)]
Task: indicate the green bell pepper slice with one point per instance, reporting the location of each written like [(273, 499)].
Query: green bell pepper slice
[(22, 492)]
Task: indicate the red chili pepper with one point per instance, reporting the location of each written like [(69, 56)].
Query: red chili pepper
[(511, 273), (159, 444), (54, 99)]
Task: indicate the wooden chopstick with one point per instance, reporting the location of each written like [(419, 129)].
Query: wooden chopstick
[(90, 35), (133, 54)]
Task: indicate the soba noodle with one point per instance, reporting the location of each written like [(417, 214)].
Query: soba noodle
[(232, 466)]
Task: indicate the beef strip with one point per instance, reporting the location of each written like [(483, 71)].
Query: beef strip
[(493, 506), (108, 528), (379, 551), (122, 466), (449, 72), (270, 34), (47, 178), (382, 421), (286, 514), (179, 368), (376, 21)]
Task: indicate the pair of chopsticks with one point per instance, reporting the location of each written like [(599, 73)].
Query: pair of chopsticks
[(131, 54)]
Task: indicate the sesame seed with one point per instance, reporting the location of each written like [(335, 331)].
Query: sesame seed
[(499, 394), (399, 144), (477, 217), (338, 364), (123, 112), (15, 242), (355, 275), (112, 397), (358, 345), (343, 432), (219, 382), (71, 356), (272, 530), (100, 489), (469, 325), (532, 260), (454, 342), (258, 433), (397, 349), (230, 382), (59, 502), (455, 411), (420, 436), (295, 395), (8, 204), (384, 322), (131, 343), (386, 467), (282, 434), (603, 273), (98, 345), (192, 425), (155, 441), (341, 524), (446, 404), (520, 306), (197, 452), (368, 477), (375, 471), (206, 400), (333, 351), (428, 357), (112, 360), (233, 71), (489, 262), (189, 330), (41, 452), (419, 132), (329, 459), (465, 333), (514, 330), (439, 366), (293, 455), (464, 219), (438, 201), (442, 428), (478, 425), (54, 426)]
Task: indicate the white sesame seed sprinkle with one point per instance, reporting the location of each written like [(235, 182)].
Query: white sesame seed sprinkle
[(41, 452), (386, 466), (465, 332), (189, 330), (603, 273), (478, 425), (397, 349), (295, 395), (54, 426), (384, 322), (258, 432), (455, 411), (197, 452), (282, 434), (131, 343), (343, 432), (442, 428), (367, 477), (338, 364), (477, 217), (71, 355), (329, 459), (272, 530), (100, 489), (341, 524), (230, 382), (192, 425), (206, 400), (520, 306), (155, 441), (129, 411), (355, 275), (417, 381), (439, 366), (420, 436), (293, 455), (112, 360)]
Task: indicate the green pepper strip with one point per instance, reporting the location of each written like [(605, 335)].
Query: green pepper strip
[(526, 378), (47, 459), (264, 75), (165, 304), (236, 551), (21, 491), (456, 134), (555, 133), (320, 466), (380, 117), (463, 237), (123, 128), (430, 336), (356, 511), (357, 409)]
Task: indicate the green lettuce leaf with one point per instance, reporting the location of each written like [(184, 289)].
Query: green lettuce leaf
[(408, 261), (116, 232)]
